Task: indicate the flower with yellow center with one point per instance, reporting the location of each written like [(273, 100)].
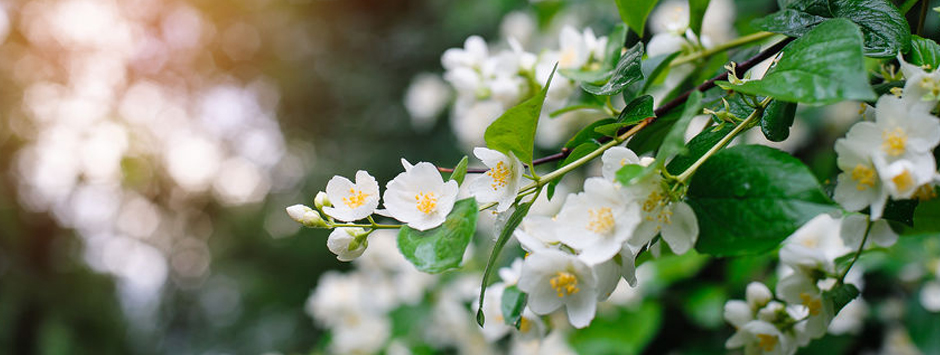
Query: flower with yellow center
[(554, 279), (858, 185), (902, 178), (616, 158), (762, 337), (675, 221), (598, 221), (501, 182), (352, 201), (419, 196), (815, 245), (799, 289)]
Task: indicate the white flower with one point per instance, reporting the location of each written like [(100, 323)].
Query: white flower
[(419, 196), (607, 275), (501, 182), (759, 337), (628, 264), (346, 243), (675, 221), (510, 274), (361, 335), (858, 186), (738, 313), (537, 233), (930, 296), (815, 245), (598, 221), (352, 201), (799, 289), (425, 99), (554, 279), (574, 51), (305, 215), (616, 158), (922, 89), (470, 118), (757, 295), (902, 178), (473, 54), (853, 230), (899, 132)]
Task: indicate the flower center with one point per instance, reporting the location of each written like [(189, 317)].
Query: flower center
[(600, 220), (814, 304), (904, 181), (810, 243), (895, 142), (355, 199), (567, 58), (932, 87), (925, 193), (565, 283), (864, 176), (525, 325), (426, 202), (657, 209), (766, 342), (500, 175)]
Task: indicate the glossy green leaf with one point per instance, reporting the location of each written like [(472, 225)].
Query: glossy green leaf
[(460, 171), (839, 296), (924, 52), (442, 248), (696, 13), (674, 142), (776, 121), (635, 12), (514, 220), (637, 110), (749, 198), (513, 303), (628, 71), (514, 131), (824, 66), (884, 28)]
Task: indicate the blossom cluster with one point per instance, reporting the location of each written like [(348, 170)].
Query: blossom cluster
[(801, 311), (892, 157)]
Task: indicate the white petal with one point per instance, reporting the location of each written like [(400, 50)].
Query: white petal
[(682, 232), (581, 309)]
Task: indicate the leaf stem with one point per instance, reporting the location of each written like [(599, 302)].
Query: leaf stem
[(740, 41), (724, 140), (859, 251)]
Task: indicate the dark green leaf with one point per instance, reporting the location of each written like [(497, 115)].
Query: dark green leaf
[(824, 66), (587, 134), (442, 248), (927, 217), (577, 153), (790, 22), (924, 52), (776, 121), (839, 296), (696, 13), (637, 110), (514, 219), (635, 12), (514, 131), (628, 71), (513, 303), (749, 198), (901, 211), (460, 171), (674, 142)]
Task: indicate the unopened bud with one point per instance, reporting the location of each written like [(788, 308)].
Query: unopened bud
[(347, 243), (757, 295), (306, 216), (322, 200)]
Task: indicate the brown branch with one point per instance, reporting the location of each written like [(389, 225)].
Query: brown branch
[(665, 108)]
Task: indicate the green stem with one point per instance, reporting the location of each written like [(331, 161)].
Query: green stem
[(721, 48), (859, 251), (924, 4), (724, 140)]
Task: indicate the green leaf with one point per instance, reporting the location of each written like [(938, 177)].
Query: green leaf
[(824, 66), (635, 12), (884, 28), (636, 111), (628, 71), (588, 134), (839, 296), (513, 303), (514, 131), (901, 211), (696, 13), (628, 174), (577, 153), (460, 171), (620, 331), (514, 220), (924, 52), (927, 217), (923, 326), (442, 248), (777, 119), (749, 198), (697, 148), (674, 143)]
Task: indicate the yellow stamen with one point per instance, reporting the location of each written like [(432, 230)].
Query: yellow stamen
[(864, 177), (565, 283), (895, 142), (814, 304), (601, 220), (500, 175), (904, 181), (426, 202), (767, 342), (525, 325), (925, 193), (356, 198), (896, 92)]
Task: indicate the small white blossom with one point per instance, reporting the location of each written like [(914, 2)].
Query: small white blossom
[(738, 313), (537, 233), (305, 215), (799, 289), (501, 182), (554, 279), (346, 243), (598, 221), (419, 196), (675, 221), (616, 158), (760, 337), (930, 296), (814, 246), (352, 201), (757, 295), (425, 99), (858, 186)]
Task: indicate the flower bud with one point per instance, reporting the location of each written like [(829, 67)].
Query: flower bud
[(757, 295), (321, 200), (347, 243), (772, 312), (306, 216), (738, 313)]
